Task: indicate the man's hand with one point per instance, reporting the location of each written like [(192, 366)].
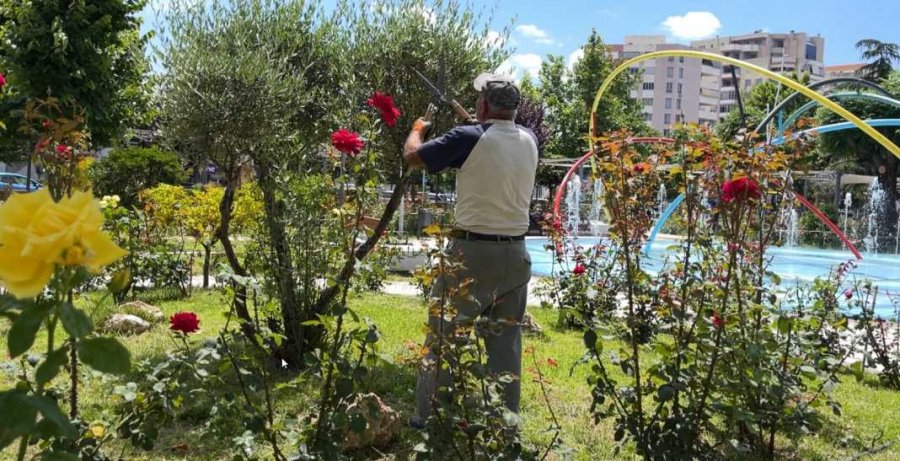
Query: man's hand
[(417, 137)]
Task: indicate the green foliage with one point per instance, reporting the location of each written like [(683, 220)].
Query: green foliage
[(91, 53), (127, 171)]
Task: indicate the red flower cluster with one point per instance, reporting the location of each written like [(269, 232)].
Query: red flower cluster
[(184, 322), (63, 151), (740, 189), (347, 141), (717, 320), (579, 269), (642, 167), (46, 124), (385, 104), (2, 80)]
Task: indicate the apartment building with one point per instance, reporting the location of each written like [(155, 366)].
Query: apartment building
[(782, 52), (673, 89)]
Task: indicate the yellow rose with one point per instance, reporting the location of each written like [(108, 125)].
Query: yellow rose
[(37, 234)]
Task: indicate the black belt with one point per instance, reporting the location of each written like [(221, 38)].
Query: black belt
[(469, 235)]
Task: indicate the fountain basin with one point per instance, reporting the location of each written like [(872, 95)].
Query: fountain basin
[(793, 265)]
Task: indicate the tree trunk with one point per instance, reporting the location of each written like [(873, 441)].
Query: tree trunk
[(297, 340), (207, 249), (240, 291)]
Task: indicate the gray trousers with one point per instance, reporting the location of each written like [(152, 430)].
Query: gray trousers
[(499, 274)]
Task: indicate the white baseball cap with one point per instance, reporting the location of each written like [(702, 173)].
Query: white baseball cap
[(484, 78)]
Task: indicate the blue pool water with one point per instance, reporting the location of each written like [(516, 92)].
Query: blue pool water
[(798, 265)]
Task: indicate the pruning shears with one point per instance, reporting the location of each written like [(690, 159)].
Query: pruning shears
[(441, 96)]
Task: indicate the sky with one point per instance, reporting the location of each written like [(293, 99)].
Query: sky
[(539, 27)]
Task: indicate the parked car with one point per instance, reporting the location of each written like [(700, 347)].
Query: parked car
[(17, 182)]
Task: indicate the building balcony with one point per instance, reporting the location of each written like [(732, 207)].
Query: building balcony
[(739, 47), (710, 85), (709, 70), (709, 101), (708, 115)]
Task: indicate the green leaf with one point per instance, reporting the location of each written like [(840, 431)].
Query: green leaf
[(105, 354), (24, 328), (17, 416), (119, 281), (75, 321), (49, 368), (590, 339), (51, 412)]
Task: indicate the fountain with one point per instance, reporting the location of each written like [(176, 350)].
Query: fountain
[(873, 209), (848, 202), (662, 200), (573, 205), (791, 220), (595, 218), (897, 230)]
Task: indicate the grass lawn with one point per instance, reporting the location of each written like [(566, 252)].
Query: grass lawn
[(868, 408)]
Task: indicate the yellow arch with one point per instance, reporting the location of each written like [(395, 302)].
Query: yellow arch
[(825, 102)]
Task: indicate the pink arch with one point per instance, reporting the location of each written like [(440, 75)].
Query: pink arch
[(652, 140)]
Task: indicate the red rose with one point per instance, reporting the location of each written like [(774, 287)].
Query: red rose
[(46, 124), (41, 145), (184, 322), (385, 104), (848, 293), (347, 141), (579, 269), (717, 320), (740, 189), (2, 80), (641, 167), (63, 149)]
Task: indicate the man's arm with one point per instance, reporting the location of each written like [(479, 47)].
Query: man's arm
[(414, 141)]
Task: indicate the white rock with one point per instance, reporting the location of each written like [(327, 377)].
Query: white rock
[(126, 324)]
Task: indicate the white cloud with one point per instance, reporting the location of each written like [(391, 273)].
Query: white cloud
[(575, 56), (518, 64), (694, 25), (535, 33), (493, 39)]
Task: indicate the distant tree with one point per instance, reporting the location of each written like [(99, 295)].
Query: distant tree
[(881, 57), (127, 171)]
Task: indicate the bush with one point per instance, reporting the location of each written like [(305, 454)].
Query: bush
[(127, 171)]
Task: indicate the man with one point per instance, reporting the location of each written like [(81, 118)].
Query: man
[(496, 161)]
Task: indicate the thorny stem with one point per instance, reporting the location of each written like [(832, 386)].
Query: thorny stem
[(544, 392)]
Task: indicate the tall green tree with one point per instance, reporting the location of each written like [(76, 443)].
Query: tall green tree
[(881, 57), (89, 53)]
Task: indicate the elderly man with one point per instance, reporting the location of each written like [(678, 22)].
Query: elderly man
[(496, 161)]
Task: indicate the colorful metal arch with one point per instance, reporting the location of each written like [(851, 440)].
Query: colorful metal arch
[(789, 121), (831, 105), (828, 81)]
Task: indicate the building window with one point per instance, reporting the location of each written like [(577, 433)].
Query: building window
[(679, 118), (681, 59), (779, 43), (670, 72), (758, 81), (678, 103), (667, 118), (671, 58), (810, 51), (648, 117), (668, 103), (669, 87), (681, 72), (648, 101), (666, 132), (647, 86), (680, 86), (747, 83)]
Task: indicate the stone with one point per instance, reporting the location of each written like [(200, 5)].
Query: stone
[(126, 324), (143, 310), (530, 325), (382, 423)]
